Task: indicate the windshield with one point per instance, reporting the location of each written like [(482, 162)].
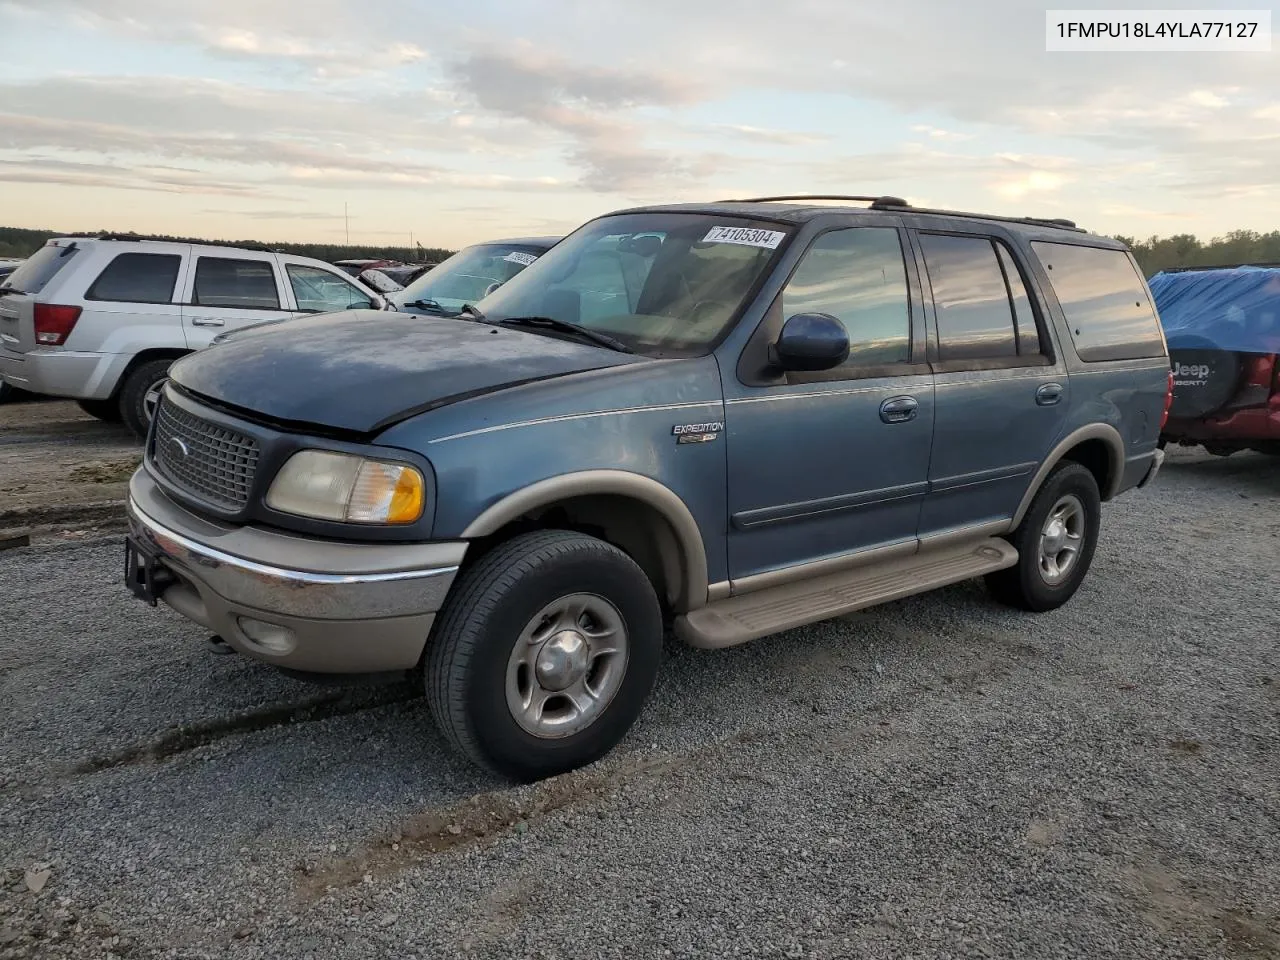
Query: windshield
[(467, 276), (663, 284)]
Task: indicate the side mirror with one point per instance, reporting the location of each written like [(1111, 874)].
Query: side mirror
[(810, 341)]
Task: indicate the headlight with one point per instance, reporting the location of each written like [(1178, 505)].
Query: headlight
[(349, 489)]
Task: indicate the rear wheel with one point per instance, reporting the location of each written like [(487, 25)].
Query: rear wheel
[(544, 654), (1055, 542), (105, 410), (140, 395)]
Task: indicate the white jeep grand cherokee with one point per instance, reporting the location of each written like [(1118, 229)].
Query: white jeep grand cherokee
[(101, 319)]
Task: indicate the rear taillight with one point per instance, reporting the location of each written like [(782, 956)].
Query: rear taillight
[(54, 323), (1260, 369), (1168, 401)]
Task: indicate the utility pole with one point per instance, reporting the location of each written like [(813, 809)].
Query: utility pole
[(346, 221)]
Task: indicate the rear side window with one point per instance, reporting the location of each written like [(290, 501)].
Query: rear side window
[(38, 269), (241, 284), (1024, 318), (1104, 300), (137, 278), (319, 291), (975, 316)]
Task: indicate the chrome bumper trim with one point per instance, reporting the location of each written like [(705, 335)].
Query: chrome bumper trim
[(274, 589)]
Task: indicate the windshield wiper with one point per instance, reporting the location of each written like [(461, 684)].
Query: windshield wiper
[(469, 311), (425, 304), (551, 323)]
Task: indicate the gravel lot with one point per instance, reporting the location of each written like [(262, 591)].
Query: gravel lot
[(60, 469), (940, 777)]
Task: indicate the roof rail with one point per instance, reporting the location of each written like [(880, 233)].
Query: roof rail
[(898, 204), (875, 202), (1219, 266), (1038, 221), (140, 238)]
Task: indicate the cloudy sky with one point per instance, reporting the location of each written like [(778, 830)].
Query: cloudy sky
[(459, 121)]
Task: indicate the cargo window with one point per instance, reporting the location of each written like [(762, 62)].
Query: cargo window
[(1104, 300), (974, 310), (137, 278), (39, 268), (240, 284), (857, 276)]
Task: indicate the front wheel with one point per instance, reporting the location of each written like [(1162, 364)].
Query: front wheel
[(1055, 542), (544, 654)]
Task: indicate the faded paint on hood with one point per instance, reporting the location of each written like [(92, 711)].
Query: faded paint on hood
[(363, 370)]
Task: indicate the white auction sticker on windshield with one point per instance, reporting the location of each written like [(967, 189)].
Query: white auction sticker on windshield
[(746, 236), (524, 259)]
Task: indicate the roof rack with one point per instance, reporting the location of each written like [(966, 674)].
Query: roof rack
[(875, 202), (141, 238), (897, 203), (1219, 266)]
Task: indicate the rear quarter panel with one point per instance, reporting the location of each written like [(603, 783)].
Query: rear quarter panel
[(1128, 395)]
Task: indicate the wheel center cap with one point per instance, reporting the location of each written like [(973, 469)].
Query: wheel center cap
[(1055, 535), (562, 661)]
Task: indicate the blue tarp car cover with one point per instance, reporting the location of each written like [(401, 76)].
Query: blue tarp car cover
[(1235, 308)]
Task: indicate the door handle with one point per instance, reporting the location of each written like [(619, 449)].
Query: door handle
[(899, 409), (207, 322), (1048, 394)]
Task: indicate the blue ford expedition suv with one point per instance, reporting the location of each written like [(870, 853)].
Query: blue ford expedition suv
[(734, 418)]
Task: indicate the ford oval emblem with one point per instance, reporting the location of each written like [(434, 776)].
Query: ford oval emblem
[(177, 449)]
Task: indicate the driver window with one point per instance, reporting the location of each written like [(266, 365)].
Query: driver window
[(319, 291), (859, 277)]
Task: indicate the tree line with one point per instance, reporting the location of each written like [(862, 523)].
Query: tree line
[(17, 242), (1153, 254), (1185, 250)]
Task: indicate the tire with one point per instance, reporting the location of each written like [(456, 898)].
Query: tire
[(6, 392), (479, 667), (106, 410), (1028, 585), (133, 395)]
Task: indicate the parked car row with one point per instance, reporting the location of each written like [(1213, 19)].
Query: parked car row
[(101, 320), (731, 418)]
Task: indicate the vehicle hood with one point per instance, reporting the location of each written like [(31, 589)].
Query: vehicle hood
[(364, 370)]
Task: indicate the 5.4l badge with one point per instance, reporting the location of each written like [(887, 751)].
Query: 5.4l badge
[(697, 432)]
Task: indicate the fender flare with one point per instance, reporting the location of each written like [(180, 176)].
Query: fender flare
[(1094, 431), (545, 493)]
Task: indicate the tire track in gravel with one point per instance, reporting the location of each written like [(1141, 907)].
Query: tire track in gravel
[(184, 738)]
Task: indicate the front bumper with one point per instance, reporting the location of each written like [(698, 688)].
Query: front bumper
[(342, 607)]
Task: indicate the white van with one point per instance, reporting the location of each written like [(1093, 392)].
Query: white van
[(101, 319)]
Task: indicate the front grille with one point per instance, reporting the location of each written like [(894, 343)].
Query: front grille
[(203, 459)]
